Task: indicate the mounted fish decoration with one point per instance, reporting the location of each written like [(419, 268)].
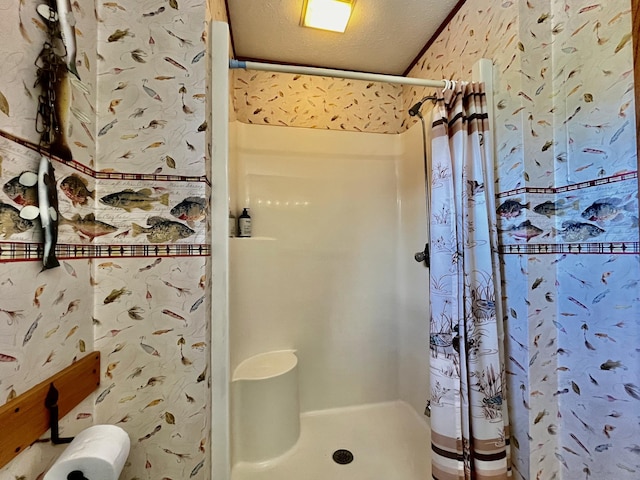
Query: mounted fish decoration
[(47, 209), (53, 102), (54, 63), (63, 16), (51, 117)]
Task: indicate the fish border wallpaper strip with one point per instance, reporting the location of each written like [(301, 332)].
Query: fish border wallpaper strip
[(606, 248), (144, 176), (24, 252), (104, 175), (568, 188), (600, 209), (75, 211)]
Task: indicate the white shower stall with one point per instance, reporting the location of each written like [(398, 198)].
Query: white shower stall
[(328, 288)]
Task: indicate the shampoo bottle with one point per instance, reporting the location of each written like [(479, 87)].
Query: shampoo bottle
[(244, 224), (232, 224)]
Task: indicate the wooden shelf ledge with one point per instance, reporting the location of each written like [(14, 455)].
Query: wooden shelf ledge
[(25, 418)]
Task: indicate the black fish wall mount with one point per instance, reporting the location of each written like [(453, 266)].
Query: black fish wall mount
[(47, 209)]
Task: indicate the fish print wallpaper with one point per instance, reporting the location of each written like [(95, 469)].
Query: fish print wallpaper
[(568, 210), (283, 99), (133, 242)]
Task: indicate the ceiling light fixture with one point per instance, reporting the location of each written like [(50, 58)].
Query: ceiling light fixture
[(330, 15)]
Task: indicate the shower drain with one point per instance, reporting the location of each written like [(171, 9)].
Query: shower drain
[(343, 457)]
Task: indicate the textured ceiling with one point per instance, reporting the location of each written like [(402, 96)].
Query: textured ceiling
[(383, 36)]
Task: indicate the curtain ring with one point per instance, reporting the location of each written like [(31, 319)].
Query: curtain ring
[(447, 84)]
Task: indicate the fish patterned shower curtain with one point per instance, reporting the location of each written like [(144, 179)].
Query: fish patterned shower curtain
[(469, 422)]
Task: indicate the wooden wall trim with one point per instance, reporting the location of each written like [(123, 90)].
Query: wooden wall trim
[(434, 37), (233, 45)]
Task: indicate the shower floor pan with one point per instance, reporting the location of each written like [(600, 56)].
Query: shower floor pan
[(387, 440)]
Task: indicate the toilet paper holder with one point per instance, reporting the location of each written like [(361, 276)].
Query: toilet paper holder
[(51, 403)]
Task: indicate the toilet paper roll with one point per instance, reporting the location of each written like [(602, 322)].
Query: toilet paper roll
[(99, 452)]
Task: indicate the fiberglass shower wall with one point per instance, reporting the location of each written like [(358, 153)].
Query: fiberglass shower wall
[(318, 276), (322, 273)]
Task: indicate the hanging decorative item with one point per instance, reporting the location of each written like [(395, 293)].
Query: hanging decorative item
[(53, 108), (47, 208), (52, 76)]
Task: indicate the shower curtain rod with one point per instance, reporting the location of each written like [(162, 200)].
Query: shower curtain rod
[(329, 72)]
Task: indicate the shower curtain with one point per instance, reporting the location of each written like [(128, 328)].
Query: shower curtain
[(469, 419)]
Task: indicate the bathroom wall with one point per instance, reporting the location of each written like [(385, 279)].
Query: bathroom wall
[(152, 131), (596, 135), (282, 99), (564, 134), (319, 275), (137, 294), (46, 315)]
